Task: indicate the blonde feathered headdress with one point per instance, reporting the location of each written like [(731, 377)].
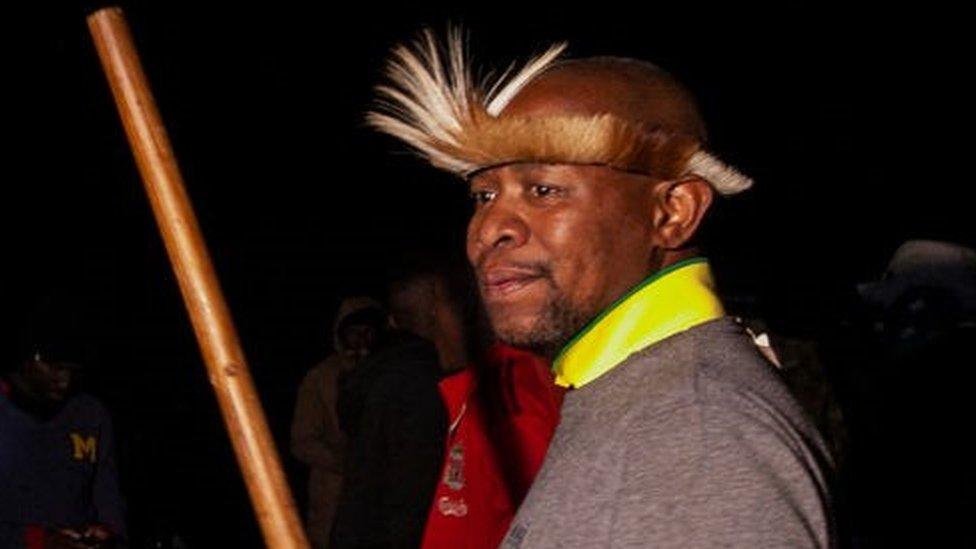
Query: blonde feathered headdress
[(432, 102)]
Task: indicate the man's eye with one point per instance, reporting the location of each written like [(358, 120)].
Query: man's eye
[(482, 196), (542, 191)]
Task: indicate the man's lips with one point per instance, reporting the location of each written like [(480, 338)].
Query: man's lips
[(503, 282)]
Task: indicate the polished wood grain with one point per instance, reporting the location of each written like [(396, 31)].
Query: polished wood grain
[(222, 353)]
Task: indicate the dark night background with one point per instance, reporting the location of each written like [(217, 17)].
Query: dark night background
[(845, 118)]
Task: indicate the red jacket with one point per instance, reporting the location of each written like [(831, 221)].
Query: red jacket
[(502, 416)]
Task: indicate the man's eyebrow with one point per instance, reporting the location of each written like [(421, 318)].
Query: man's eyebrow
[(482, 181)]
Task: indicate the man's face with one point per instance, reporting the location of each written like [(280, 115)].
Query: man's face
[(47, 381), (554, 244), (358, 339)]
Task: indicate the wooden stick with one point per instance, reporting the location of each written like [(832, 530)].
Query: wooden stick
[(188, 254)]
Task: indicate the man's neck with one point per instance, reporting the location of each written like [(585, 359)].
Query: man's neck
[(670, 257)]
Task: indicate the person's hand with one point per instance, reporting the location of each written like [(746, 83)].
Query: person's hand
[(98, 532), (92, 536), (98, 535), (65, 538)]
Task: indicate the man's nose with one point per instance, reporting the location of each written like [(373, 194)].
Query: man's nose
[(500, 225)]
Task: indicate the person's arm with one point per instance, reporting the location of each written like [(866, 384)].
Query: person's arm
[(706, 476), (309, 440), (358, 523), (394, 461), (415, 427), (109, 516)]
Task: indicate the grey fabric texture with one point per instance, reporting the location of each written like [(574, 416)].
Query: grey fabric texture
[(694, 441)]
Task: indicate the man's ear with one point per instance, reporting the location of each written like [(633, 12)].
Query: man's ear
[(678, 208)]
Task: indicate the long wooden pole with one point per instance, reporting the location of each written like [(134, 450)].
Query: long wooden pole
[(226, 366)]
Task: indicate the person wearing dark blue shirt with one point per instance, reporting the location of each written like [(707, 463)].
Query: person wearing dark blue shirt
[(57, 467)]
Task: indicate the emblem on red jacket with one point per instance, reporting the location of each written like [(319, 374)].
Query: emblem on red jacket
[(454, 472), (451, 507)]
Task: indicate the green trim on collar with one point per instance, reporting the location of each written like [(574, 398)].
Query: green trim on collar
[(671, 300)]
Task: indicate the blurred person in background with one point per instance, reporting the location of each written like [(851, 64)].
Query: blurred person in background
[(905, 380), (316, 438), (391, 411), (502, 409), (58, 482)]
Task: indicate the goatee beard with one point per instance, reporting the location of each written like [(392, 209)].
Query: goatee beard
[(558, 322)]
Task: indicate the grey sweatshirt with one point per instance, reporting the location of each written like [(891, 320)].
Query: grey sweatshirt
[(694, 441)]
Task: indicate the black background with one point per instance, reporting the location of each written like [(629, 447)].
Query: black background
[(851, 122)]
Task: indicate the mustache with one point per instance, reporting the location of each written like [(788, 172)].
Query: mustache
[(537, 268)]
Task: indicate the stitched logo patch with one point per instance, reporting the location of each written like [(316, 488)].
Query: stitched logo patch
[(452, 507), (454, 472)]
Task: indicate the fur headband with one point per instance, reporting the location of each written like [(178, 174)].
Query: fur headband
[(434, 105)]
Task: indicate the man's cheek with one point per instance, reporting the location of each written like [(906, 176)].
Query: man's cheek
[(571, 277), (471, 242)]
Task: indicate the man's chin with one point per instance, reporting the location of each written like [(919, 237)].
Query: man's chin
[(540, 322), (531, 334), (509, 329)]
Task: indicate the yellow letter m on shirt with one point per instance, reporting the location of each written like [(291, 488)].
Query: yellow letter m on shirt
[(84, 447)]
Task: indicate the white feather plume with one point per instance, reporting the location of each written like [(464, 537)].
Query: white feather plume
[(505, 88), (429, 104), (724, 178)]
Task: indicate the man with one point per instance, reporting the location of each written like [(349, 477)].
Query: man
[(906, 375), (316, 439), (503, 410), (57, 466), (390, 409), (590, 180)]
